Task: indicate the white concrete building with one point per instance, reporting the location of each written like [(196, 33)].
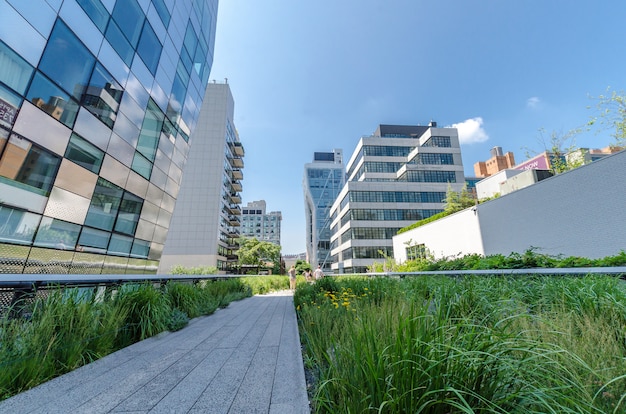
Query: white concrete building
[(397, 176), (577, 213), (207, 217), (258, 223)]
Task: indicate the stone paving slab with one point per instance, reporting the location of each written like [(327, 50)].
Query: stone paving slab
[(245, 358)]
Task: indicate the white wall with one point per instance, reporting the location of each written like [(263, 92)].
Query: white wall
[(490, 186), (454, 234), (578, 213)]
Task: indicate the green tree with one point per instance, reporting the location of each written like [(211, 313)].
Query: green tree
[(302, 266), (611, 115), (258, 253), (458, 201), (562, 150)]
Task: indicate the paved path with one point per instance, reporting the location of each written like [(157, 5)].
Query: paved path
[(245, 358)]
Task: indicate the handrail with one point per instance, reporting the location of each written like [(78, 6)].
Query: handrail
[(545, 271), (43, 280)]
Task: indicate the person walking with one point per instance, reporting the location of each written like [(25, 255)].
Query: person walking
[(318, 274), (292, 278)]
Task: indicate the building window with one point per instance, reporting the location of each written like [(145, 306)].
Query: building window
[(84, 153), (17, 226), (53, 100), (416, 252), (104, 206), (96, 12), (119, 43), (57, 234), (442, 142), (103, 96), (67, 61), (149, 48), (129, 212), (129, 17), (15, 72), (24, 165)]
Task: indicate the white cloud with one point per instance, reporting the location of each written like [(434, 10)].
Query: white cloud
[(471, 131), (533, 102)]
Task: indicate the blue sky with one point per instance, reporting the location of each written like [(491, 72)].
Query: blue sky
[(312, 76)]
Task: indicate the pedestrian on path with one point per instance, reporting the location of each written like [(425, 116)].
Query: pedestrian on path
[(292, 278), (318, 274)]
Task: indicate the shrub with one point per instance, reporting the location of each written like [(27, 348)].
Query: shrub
[(178, 320)]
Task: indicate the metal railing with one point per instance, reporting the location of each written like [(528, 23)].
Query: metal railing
[(19, 290), (619, 271)]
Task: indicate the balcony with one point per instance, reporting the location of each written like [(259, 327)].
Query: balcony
[(235, 209), (237, 175), (234, 221), (235, 198), (237, 185), (236, 162), (237, 148), (233, 233)]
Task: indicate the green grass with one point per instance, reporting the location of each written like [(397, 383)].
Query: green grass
[(470, 345), (73, 327)]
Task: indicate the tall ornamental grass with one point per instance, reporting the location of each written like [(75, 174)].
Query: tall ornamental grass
[(73, 327), (466, 345)]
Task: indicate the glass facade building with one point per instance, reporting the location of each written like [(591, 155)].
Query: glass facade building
[(323, 179), (98, 99), (397, 176)]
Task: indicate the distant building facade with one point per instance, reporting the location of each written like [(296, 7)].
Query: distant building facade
[(322, 181), (207, 219), (262, 225), (576, 213), (98, 100), (497, 162), (397, 176)]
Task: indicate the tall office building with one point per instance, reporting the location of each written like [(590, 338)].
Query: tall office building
[(258, 223), (397, 176), (323, 179), (97, 103), (207, 218)]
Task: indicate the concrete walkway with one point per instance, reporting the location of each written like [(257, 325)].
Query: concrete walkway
[(245, 358)]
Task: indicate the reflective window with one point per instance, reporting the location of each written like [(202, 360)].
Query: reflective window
[(120, 44), (150, 131), (200, 57), (53, 100), (149, 48), (57, 234), (162, 11), (92, 240), (129, 17), (141, 248), (84, 153), (103, 96), (15, 72), (27, 166), (191, 40), (9, 105), (129, 212), (67, 61), (435, 141), (96, 12), (4, 137), (142, 166), (17, 226), (120, 245), (429, 176), (104, 206)]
